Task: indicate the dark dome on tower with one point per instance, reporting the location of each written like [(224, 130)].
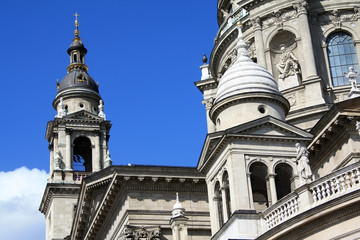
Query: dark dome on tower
[(78, 78)]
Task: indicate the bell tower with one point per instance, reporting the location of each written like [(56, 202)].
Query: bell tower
[(78, 140)]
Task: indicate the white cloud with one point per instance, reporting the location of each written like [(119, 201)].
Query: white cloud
[(21, 191)]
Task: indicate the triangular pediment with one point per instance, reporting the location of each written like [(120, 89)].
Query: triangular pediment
[(82, 115), (269, 126)]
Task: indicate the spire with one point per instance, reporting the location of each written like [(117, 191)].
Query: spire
[(77, 51), (76, 32), (241, 46)]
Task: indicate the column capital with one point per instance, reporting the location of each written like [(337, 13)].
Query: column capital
[(68, 131), (271, 175), (256, 23), (300, 7)]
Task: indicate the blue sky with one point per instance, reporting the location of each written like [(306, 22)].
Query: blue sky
[(145, 56)]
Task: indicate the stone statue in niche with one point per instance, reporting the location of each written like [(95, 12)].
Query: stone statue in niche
[(288, 64), (352, 75), (302, 160)]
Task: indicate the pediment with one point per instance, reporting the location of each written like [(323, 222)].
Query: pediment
[(269, 126), (82, 115)]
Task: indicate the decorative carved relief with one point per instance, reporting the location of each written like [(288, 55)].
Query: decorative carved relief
[(292, 100), (300, 7), (251, 49), (277, 18), (256, 23), (208, 103), (336, 16), (137, 233)]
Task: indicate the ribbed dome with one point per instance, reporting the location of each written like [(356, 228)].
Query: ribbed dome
[(78, 79), (245, 76)]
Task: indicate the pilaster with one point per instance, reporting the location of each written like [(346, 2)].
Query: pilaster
[(259, 42), (306, 42)]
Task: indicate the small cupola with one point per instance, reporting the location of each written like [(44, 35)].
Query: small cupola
[(246, 92)]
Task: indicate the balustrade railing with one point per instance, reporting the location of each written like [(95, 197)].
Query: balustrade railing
[(333, 185), (286, 208), (230, 20), (79, 176)]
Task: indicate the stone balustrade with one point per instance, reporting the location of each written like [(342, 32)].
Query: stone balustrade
[(320, 191), (79, 176), (333, 185), (230, 20), (282, 210)]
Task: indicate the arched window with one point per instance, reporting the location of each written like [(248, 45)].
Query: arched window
[(342, 55), (258, 176), (283, 179), (82, 159)]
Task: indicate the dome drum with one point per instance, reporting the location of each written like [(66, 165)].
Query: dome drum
[(245, 107)]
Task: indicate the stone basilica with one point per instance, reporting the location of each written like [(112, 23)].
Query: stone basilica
[(281, 159)]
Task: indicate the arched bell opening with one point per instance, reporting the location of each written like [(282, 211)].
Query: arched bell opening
[(259, 172), (284, 174), (82, 154), (219, 203), (226, 188)]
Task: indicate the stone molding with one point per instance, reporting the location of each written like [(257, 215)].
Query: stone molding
[(53, 189)]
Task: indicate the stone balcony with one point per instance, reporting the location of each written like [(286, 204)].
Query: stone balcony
[(335, 188)]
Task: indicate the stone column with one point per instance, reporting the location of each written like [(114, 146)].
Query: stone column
[(357, 48), (224, 205), (217, 216), (68, 147), (307, 47), (238, 182), (273, 195), (208, 104), (96, 161), (259, 42), (251, 199), (51, 149), (179, 228)]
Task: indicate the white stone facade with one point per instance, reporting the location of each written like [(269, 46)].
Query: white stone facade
[(248, 183)]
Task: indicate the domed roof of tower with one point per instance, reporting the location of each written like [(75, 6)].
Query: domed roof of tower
[(244, 75), (77, 76)]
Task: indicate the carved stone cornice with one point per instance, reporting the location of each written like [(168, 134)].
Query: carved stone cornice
[(53, 189), (120, 180)]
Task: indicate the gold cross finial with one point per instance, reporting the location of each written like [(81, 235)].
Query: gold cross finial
[(76, 15), (76, 25)]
